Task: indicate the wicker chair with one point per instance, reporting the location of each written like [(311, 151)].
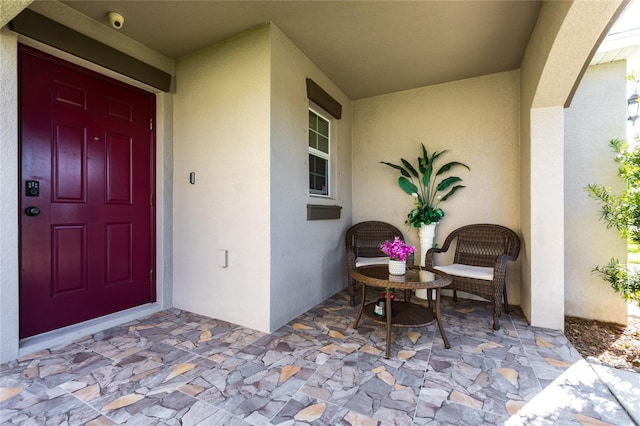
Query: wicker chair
[(480, 262), (362, 244)]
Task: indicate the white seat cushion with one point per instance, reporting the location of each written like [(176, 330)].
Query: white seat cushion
[(460, 270), (362, 261)]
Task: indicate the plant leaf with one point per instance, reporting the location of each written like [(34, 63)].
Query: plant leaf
[(448, 182), (424, 160), (426, 178), (450, 165), (409, 167), (407, 186), (403, 172), (453, 190), (422, 164), (436, 154), (424, 152)]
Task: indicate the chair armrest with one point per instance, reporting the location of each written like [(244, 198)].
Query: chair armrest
[(445, 247), (500, 266), (504, 258), (428, 260)]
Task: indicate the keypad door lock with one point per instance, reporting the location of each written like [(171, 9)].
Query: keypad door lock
[(32, 188)]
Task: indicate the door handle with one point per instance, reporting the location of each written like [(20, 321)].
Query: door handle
[(32, 211)]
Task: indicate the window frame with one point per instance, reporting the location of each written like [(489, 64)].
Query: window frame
[(320, 154)]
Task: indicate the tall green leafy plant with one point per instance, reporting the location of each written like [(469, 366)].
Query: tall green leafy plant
[(428, 185), (622, 212)]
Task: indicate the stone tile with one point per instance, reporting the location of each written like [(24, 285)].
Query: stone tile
[(307, 410), (366, 384), (60, 409), (253, 386), (454, 414), (478, 382)]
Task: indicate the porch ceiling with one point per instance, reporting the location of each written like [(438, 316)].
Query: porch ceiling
[(367, 48)]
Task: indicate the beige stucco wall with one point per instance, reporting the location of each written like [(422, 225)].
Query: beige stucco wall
[(476, 120), (222, 127), (596, 116), (10, 8), (240, 124), (8, 196), (307, 257)]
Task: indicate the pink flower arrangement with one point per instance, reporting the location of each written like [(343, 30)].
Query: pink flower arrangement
[(397, 250)]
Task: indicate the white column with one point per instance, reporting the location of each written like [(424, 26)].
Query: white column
[(546, 246)]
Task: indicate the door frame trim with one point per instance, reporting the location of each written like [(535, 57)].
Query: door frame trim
[(158, 256), (9, 187)]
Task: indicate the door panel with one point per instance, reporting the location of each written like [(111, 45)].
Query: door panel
[(69, 163), (119, 165), (87, 140), (69, 261), (119, 257)]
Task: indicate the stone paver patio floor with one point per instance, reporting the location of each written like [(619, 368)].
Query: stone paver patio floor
[(179, 368)]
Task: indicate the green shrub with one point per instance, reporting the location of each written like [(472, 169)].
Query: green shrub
[(624, 281), (622, 212)]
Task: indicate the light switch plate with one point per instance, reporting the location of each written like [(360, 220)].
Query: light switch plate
[(222, 258)]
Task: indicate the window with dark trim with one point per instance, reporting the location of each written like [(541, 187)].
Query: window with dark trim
[(319, 153)]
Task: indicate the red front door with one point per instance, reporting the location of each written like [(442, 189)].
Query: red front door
[(87, 186)]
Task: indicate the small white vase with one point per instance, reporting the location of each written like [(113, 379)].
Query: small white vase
[(397, 267)]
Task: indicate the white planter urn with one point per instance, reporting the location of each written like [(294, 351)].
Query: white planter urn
[(427, 234)]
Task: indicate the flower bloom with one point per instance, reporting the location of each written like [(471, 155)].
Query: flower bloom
[(397, 250)]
